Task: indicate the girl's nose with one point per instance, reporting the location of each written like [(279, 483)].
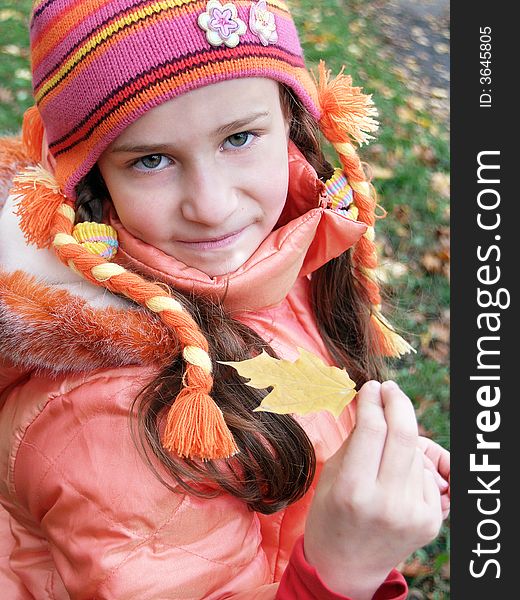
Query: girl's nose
[(209, 197)]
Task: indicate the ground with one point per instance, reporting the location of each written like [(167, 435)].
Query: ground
[(417, 33)]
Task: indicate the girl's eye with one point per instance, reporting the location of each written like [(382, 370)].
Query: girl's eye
[(239, 140), (152, 162)]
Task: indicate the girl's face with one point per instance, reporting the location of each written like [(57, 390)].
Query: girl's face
[(204, 177)]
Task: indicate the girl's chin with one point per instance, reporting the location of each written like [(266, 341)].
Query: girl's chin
[(213, 263)]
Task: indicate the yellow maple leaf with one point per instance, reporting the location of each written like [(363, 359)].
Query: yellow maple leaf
[(300, 387)]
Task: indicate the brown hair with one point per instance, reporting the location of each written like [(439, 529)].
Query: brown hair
[(276, 462)]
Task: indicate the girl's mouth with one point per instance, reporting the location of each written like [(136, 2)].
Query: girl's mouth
[(213, 243)]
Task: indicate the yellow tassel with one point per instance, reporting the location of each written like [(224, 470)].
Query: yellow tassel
[(40, 198), (97, 238), (195, 428), (347, 113), (391, 343), (32, 134)]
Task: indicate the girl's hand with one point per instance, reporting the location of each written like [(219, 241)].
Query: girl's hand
[(375, 502)]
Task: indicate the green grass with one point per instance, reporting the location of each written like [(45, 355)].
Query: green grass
[(412, 144), (15, 81)]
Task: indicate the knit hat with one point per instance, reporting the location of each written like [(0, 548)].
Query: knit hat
[(98, 65)]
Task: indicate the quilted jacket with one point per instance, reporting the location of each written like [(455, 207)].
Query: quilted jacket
[(83, 516)]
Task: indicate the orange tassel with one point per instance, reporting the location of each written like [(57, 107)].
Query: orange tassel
[(390, 342), (32, 133), (195, 428), (347, 113), (40, 198)]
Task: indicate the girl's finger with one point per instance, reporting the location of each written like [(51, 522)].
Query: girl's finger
[(437, 454), (442, 484), (401, 440), (445, 505), (363, 450), (439, 480), (443, 463)]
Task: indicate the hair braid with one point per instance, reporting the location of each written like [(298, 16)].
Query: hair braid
[(365, 253)]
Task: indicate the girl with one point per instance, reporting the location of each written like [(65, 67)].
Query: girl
[(176, 212)]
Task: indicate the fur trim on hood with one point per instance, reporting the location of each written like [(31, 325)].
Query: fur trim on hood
[(49, 329), (12, 160)]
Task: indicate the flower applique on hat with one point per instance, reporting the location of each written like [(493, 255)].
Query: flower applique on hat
[(222, 24), (262, 23)]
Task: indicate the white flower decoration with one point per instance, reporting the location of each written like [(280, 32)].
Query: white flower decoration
[(222, 24), (262, 23)]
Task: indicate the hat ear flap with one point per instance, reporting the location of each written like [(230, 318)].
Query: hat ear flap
[(348, 118)]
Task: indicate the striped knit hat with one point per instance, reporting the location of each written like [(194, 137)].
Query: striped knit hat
[(98, 65)]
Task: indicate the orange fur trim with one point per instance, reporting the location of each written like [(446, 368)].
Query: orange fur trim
[(36, 319), (12, 159)]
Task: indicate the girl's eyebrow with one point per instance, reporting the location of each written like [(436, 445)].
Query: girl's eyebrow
[(241, 123), (226, 129), (141, 148)]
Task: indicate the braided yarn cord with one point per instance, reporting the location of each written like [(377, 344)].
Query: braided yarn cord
[(347, 116), (195, 426)]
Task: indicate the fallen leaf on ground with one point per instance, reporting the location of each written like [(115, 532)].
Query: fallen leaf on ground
[(439, 92), (416, 103), (441, 48), (8, 14), (440, 331), (6, 95), (435, 342), (381, 172), (390, 270), (440, 184), (300, 387), (432, 262), (425, 154), (405, 114), (402, 213), (415, 568)]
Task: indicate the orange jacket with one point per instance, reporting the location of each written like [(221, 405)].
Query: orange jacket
[(84, 516)]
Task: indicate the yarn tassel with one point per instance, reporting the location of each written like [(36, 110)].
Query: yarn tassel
[(390, 342), (195, 428), (40, 198), (32, 134), (347, 113)]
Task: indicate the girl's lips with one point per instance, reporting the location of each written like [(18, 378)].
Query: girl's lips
[(214, 243)]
